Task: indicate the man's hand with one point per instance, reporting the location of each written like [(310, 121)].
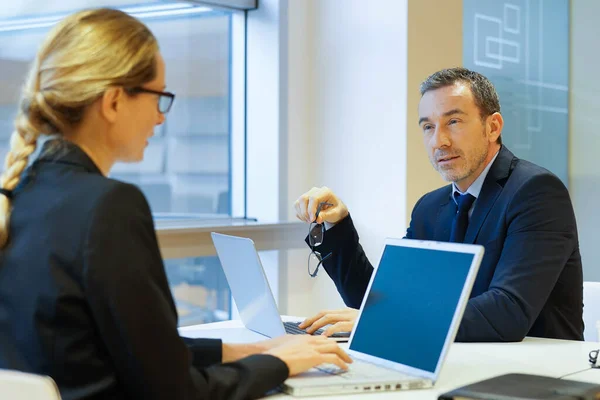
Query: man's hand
[(340, 320), (306, 206)]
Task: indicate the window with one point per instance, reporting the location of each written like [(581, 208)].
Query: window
[(200, 290), (186, 169), (194, 164)]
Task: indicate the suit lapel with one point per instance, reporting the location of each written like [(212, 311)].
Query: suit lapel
[(490, 191)]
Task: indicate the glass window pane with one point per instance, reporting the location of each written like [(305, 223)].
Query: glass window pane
[(186, 168), (187, 165), (200, 290), (523, 48)]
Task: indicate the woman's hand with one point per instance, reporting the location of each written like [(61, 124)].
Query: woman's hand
[(303, 352)]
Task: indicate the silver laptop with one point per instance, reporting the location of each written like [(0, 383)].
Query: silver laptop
[(250, 288), (407, 321)]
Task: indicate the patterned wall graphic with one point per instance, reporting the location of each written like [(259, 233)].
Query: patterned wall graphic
[(523, 47)]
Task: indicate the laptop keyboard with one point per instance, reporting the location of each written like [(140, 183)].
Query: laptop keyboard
[(362, 370), (292, 329), (357, 369), (331, 369)]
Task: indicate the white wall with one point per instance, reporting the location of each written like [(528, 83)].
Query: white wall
[(298, 293), (584, 136), (346, 124), (360, 113), (263, 105), (264, 84), (345, 88)]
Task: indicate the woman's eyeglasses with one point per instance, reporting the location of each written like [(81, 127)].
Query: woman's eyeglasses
[(165, 99), (316, 232)]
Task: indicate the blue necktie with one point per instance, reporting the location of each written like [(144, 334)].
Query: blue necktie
[(461, 219)]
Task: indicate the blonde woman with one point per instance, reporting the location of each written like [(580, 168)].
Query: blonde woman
[(83, 292)]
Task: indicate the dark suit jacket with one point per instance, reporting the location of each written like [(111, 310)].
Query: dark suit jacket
[(84, 297), (530, 280)]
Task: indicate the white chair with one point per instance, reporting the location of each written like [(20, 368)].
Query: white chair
[(591, 311), (16, 385)]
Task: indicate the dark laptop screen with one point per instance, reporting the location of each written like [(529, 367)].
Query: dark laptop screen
[(410, 306)]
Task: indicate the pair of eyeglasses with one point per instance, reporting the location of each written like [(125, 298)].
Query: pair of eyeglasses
[(165, 99), (316, 232)]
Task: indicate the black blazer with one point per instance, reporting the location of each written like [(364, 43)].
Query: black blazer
[(84, 297), (530, 281)]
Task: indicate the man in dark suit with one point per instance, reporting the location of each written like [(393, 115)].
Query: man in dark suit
[(530, 280)]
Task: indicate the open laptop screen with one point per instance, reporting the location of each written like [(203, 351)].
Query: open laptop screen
[(411, 304)]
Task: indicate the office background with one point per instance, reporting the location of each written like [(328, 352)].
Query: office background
[(302, 93)]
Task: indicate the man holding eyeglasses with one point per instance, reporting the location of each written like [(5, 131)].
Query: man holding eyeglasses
[(530, 281)]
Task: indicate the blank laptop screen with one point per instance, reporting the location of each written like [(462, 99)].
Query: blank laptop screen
[(410, 306)]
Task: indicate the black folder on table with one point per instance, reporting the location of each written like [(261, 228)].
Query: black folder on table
[(525, 387)]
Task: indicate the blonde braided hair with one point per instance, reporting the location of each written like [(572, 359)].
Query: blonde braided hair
[(84, 55)]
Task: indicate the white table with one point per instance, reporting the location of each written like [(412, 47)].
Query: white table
[(466, 362), (590, 375)]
